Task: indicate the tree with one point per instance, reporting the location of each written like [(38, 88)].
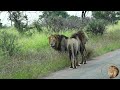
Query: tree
[(0, 24), (83, 15), (46, 14), (96, 26), (10, 16), (110, 16), (53, 19), (73, 22), (19, 20)]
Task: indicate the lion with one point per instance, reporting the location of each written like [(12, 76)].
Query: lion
[(83, 39), (57, 42), (81, 35), (73, 46)]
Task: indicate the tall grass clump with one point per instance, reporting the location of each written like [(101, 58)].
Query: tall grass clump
[(34, 65), (35, 42), (105, 43), (8, 43), (114, 27)]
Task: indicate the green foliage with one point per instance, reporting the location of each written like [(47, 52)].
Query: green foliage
[(56, 21), (17, 17), (110, 16), (1, 24), (47, 14), (96, 26), (39, 59), (8, 44), (53, 20), (37, 25), (74, 22)]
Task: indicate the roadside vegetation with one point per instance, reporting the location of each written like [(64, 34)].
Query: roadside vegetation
[(25, 52)]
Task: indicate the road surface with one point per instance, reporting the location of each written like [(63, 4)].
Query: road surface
[(94, 69)]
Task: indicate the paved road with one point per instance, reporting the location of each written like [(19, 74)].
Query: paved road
[(94, 69)]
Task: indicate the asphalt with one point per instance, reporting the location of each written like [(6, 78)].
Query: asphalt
[(94, 69)]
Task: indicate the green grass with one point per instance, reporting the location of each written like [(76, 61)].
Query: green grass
[(35, 42), (108, 42), (37, 59), (112, 28), (33, 65)]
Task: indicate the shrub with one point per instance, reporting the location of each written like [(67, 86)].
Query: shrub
[(8, 44), (96, 26), (37, 25)]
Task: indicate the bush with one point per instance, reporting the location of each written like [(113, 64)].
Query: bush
[(37, 25), (8, 44), (57, 23), (96, 26)]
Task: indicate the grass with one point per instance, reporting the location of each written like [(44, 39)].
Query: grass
[(112, 28), (108, 42), (33, 65), (37, 59), (35, 42)]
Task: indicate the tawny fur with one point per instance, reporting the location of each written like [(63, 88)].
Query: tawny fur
[(83, 39), (58, 41), (113, 71), (73, 46)]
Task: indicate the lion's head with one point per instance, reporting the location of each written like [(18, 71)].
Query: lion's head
[(53, 41), (56, 41)]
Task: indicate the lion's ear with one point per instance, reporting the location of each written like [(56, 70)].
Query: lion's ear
[(49, 37), (57, 36)]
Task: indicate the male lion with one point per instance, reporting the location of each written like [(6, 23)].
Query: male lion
[(73, 46), (83, 38), (57, 42)]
